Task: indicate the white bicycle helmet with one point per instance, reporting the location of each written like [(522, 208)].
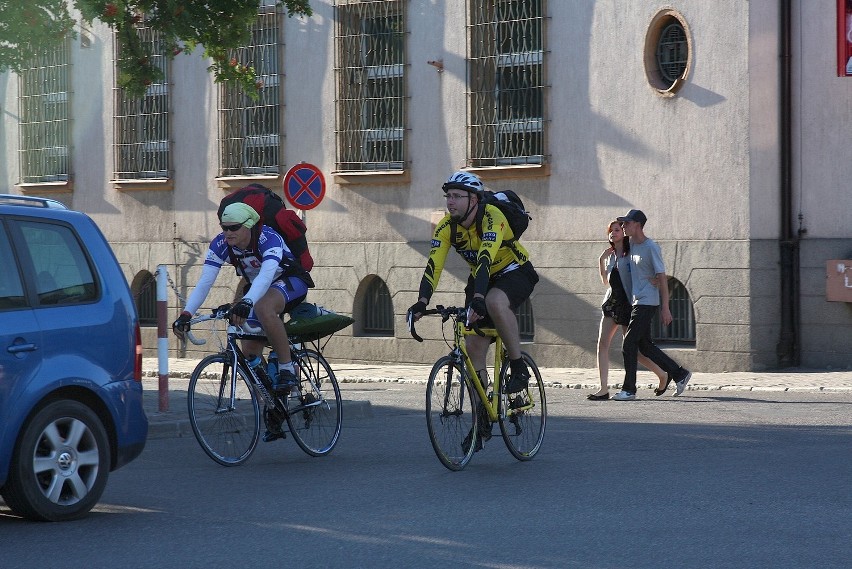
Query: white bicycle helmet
[(463, 181)]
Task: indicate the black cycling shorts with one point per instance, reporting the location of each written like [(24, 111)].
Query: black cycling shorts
[(518, 285)]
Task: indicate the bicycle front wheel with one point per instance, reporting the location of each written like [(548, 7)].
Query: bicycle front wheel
[(449, 414), (315, 418), (523, 417), (223, 410)]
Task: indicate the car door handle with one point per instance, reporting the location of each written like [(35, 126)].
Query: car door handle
[(17, 348)]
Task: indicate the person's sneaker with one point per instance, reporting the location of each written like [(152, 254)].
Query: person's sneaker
[(624, 396), (286, 382), (519, 378), (273, 421), (682, 380), (269, 436), (517, 402)]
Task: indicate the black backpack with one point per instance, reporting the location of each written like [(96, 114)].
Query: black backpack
[(510, 204), (512, 207)]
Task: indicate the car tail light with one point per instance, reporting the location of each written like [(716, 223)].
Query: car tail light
[(137, 364)]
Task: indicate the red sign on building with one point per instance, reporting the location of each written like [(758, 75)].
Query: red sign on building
[(844, 38)]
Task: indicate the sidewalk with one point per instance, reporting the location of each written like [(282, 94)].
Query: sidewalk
[(174, 423)]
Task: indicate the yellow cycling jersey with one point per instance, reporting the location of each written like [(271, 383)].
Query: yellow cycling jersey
[(494, 251)]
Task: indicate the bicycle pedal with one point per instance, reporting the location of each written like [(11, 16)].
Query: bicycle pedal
[(269, 436)]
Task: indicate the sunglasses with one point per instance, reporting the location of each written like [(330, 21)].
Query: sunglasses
[(232, 228)]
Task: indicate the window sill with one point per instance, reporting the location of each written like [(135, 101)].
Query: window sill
[(372, 177), (231, 183), (510, 172), (154, 184), (46, 188)]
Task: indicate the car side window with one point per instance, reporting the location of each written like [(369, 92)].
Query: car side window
[(62, 271), (11, 288)]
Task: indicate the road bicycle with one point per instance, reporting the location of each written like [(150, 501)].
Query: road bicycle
[(454, 415), (225, 396)]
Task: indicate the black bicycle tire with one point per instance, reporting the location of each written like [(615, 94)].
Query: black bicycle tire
[(448, 443), (303, 423), (205, 428), (509, 429)]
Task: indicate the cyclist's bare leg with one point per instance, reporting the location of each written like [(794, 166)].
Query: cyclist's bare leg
[(505, 321), (267, 310), (477, 349), (252, 348)]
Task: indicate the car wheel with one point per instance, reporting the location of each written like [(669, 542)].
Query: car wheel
[(60, 465)]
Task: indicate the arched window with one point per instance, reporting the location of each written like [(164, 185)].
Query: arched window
[(144, 290), (682, 328), (374, 308), (526, 321)]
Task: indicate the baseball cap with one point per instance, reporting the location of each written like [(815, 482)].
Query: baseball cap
[(634, 215)]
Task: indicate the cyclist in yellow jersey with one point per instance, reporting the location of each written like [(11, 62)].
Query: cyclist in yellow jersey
[(501, 275)]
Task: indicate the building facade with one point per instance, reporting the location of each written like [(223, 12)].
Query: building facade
[(723, 121)]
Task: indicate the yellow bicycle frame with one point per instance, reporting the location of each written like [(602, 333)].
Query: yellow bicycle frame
[(460, 333)]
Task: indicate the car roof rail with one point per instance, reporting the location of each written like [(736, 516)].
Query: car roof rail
[(14, 199)]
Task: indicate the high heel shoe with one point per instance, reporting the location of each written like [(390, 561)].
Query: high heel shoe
[(658, 391)]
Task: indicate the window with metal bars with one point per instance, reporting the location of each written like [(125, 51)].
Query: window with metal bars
[(526, 321), (682, 328), (506, 82), (377, 314), (371, 95), (43, 107), (249, 129), (142, 147)]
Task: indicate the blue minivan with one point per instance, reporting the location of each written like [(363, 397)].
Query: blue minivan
[(70, 361)]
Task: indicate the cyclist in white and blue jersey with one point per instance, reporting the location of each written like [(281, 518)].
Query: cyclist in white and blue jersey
[(277, 284)]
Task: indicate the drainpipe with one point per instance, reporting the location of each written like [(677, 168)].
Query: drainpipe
[(788, 349)]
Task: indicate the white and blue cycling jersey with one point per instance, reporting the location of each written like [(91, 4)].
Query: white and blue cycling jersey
[(262, 267)]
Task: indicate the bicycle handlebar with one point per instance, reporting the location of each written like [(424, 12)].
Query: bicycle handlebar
[(454, 312), (215, 314)]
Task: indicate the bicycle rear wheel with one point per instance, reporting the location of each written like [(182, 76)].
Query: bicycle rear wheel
[(523, 418), (450, 414), (315, 418), (223, 411)]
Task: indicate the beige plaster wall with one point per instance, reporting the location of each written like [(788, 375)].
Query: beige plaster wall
[(703, 164)]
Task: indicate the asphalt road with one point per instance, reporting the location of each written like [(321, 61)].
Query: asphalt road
[(710, 479)]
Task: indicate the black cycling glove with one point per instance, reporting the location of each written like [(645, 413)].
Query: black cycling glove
[(242, 308), (478, 306), (181, 326), (417, 308)]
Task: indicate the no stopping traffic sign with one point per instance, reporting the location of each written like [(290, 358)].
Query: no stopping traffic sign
[(304, 186)]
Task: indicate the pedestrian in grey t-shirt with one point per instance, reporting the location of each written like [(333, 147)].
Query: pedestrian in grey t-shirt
[(650, 293)]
